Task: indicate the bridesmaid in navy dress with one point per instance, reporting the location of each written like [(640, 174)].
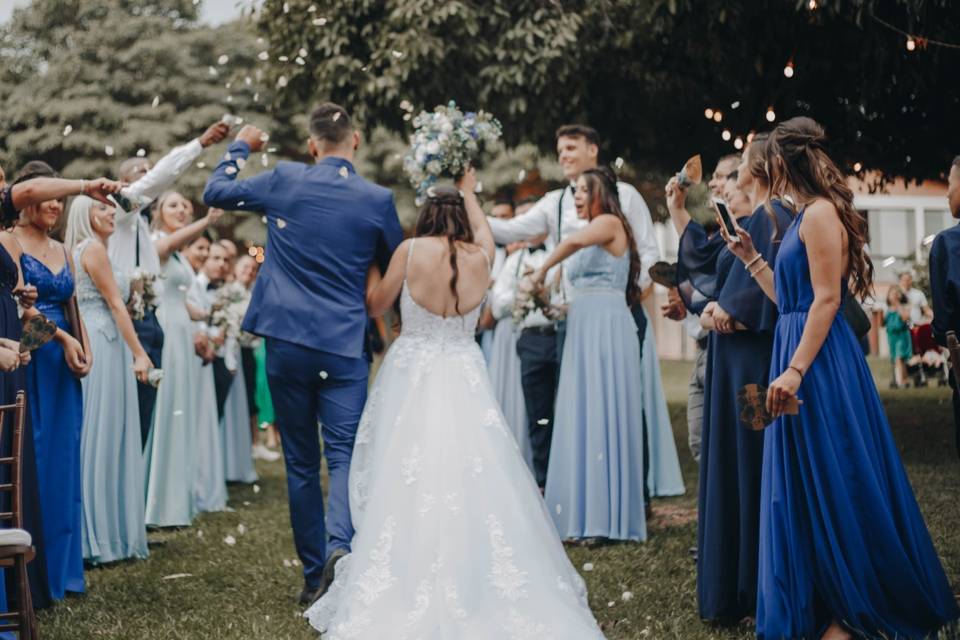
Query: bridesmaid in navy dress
[(844, 551), (741, 320), (28, 192), (55, 397)]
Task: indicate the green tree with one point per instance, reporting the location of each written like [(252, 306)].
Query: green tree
[(643, 71), (87, 83)]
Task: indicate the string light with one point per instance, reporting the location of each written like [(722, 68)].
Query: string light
[(717, 116), (812, 5), (771, 114), (788, 70), (726, 135), (738, 143), (911, 43), (708, 113), (857, 167)]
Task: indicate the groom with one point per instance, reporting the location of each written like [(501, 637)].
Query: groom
[(326, 225)]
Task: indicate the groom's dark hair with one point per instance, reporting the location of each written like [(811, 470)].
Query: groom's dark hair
[(579, 131), (330, 123)]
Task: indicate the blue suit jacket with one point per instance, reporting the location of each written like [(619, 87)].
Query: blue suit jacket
[(325, 226), (945, 282)]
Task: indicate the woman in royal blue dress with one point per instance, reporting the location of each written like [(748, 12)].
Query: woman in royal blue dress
[(741, 321), (844, 551), (596, 473), (53, 387)]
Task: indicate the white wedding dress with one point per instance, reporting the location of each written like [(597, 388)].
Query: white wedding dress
[(453, 540)]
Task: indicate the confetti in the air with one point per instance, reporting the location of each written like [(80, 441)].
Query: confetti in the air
[(248, 81), (282, 82), (324, 375), (344, 172), (264, 55), (67, 130), (521, 176), (230, 171), (286, 7), (543, 421), (336, 116), (302, 52), (618, 163), (141, 152), (281, 223), (265, 160), (156, 101), (108, 150), (201, 165), (224, 59), (256, 97), (240, 162), (213, 71), (312, 9), (283, 58), (264, 137), (319, 22), (300, 61), (396, 54)]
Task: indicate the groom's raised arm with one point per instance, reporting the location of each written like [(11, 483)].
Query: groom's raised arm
[(224, 191)]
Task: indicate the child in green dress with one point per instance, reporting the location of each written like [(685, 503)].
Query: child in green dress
[(898, 334)]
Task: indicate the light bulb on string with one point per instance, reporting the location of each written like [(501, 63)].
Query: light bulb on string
[(812, 5), (717, 116), (726, 135), (857, 166), (708, 113), (750, 136), (789, 69), (738, 143), (911, 43), (771, 114)]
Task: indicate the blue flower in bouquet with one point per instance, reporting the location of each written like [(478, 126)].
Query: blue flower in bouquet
[(444, 142)]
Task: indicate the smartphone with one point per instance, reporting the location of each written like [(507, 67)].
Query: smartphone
[(231, 120), (726, 218), (121, 201)]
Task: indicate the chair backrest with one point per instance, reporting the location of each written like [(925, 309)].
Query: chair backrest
[(14, 415)]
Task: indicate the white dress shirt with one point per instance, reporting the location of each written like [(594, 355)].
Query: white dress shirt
[(504, 291), (543, 218), (132, 227), (200, 296)]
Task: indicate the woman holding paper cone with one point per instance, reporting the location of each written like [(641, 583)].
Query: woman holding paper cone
[(740, 319), (844, 551)]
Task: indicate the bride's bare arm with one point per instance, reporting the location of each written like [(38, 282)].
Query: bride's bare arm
[(382, 291), (482, 236)]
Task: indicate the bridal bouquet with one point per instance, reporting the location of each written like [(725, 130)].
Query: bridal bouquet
[(229, 307), (530, 299), (446, 141), (143, 293)]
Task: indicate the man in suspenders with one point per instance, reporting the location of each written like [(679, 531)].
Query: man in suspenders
[(578, 148)]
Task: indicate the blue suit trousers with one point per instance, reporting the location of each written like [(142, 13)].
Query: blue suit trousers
[(310, 387)]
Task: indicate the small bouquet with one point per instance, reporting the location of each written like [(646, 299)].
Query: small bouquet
[(229, 307), (445, 142), (154, 377), (143, 293), (530, 299)]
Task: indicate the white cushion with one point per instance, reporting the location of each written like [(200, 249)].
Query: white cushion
[(15, 538)]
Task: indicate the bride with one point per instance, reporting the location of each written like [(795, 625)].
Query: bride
[(452, 537)]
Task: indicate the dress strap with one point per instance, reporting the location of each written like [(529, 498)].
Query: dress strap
[(406, 267)]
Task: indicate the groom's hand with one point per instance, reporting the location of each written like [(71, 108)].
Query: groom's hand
[(252, 136)]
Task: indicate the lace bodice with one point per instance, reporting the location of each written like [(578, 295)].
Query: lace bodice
[(421, 324), (96, 313), (595, 268)]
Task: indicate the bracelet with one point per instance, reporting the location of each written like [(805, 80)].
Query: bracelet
[(752, 262), (83, 187), (797, 369), (756, 272)]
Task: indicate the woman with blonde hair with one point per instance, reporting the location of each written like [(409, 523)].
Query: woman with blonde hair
[(111, 461)]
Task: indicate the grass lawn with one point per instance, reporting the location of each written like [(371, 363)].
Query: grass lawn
[(247, 590)]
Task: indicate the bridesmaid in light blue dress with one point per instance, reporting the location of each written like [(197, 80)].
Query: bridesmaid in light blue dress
[(111, 460), (596, 473), (169, 450), (235, 430)]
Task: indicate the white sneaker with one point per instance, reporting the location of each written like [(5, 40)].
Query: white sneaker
[(260, 452)]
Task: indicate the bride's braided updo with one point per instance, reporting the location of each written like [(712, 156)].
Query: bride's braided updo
[(444, 215)]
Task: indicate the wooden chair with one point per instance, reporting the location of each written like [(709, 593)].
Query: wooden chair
[(16, 548)]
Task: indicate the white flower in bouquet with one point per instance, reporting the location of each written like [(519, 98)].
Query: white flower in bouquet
[(143, 293), (154, 377), (229, 307), (444, 142)]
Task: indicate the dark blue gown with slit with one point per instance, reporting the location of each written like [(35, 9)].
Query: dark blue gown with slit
[(841, 535)]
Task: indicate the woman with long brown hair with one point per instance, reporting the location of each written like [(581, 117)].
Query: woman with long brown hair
[(844, 551), (596, 474), (442, 502)]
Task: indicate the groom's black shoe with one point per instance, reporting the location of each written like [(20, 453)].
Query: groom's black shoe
[(308, 595), (329, 573)]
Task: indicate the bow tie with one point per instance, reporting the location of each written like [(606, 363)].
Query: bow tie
[(539, 247), (212, 286)]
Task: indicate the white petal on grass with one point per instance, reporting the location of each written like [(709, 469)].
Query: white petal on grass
[(229, 541), (627, 596), (287, 563), (256, 488), (242, 529), (177, 576), (319, 22), (588, 566)]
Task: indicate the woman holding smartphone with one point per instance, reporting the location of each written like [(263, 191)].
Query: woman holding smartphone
[(844, 551)]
